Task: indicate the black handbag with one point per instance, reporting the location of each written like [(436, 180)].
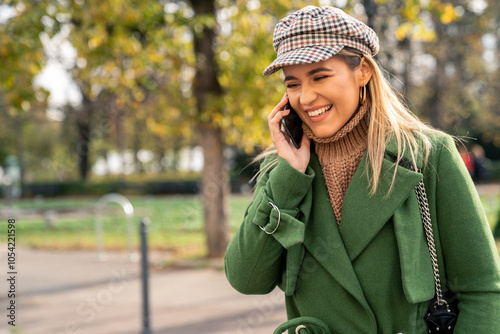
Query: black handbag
[(442, 314), (442, 318)]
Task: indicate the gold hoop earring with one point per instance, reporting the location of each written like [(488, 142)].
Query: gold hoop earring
[(362, 95)]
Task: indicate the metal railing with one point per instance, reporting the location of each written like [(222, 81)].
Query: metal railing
[(99, 230)]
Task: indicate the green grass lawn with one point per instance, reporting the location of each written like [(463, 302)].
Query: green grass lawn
[(176, 223), (491, 206)]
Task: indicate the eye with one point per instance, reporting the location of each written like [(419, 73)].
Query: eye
[(319, 78), (291, 85)]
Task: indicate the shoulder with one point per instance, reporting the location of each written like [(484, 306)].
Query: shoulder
[(419, 146), (440, 139), (444, 161), (442, 145)]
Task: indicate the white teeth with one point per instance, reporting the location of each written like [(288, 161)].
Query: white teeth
[(320, 111)]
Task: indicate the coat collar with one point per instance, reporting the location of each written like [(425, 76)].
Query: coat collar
[(391, 151), (363, 216), (324, 241)]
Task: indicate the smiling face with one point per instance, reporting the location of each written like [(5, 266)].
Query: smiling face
[(325, 94)]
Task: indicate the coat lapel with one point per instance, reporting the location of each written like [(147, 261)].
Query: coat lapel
[(323, 240), (364, 215)]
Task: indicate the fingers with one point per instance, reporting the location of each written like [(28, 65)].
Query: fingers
[(278, 116), (274, 121), (279, 107), (297, 158), (306, 143)]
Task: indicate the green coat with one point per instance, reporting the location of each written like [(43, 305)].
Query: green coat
[(373, 273)]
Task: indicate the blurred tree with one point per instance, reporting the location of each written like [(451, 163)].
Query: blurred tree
[(233, 98), (156, 74), (126, 57), (486, 125), (21, 59), (452, 64), (214, 181)]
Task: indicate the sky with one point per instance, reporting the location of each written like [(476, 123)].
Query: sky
[(54, 77), (61, 56)]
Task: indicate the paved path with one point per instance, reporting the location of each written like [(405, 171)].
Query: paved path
[(71, 292)]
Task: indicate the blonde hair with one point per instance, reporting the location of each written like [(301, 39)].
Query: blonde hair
[(389, 118)]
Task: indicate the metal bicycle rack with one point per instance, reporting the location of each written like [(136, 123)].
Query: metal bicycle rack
[(129, 214)]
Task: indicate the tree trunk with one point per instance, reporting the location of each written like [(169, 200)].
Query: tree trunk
[(436, 100), (371, 11), (159, 149), (406, 46), (137, 144), (120, 138), (215, 183), (215, 190), (83, 123), (19, 128)]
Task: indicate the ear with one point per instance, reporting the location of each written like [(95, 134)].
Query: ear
[(365, 72)]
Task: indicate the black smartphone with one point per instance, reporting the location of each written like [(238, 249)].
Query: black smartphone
[(293, 126)]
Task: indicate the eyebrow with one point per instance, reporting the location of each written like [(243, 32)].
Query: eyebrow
[(310, 73)]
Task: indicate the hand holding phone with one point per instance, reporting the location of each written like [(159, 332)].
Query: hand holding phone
[(293, 126), (283, 129)]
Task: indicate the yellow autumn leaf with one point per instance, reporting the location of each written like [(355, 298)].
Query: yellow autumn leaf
[(173, 112), (9, 83), (428, 35), (238, 121), (95, 42), (34, 68), (403, 31), (139, 95), (448, 15), (155, 58)]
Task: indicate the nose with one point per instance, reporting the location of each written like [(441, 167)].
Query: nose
[(307, 95)]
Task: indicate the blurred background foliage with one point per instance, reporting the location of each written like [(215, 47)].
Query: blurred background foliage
[(166, 96), (132, 65)]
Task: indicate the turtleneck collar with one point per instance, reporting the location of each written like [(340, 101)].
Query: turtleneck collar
[(340, 155)]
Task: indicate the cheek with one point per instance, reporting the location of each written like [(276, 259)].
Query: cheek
[(341, 89), (350, 98), (293, 99)]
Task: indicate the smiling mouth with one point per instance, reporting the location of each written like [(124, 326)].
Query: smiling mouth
[(320, 111)]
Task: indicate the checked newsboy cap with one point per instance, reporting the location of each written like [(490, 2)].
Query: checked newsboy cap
[(313, 34)]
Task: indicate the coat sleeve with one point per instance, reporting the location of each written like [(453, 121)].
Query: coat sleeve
[(471, 260), (280, 206)]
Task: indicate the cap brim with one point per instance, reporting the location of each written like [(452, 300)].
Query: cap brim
[(306, 55)]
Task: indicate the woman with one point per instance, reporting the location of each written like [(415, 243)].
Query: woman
[(336, 223)]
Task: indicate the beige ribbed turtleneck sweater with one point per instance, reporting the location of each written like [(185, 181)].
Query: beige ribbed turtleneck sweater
[(340, 155)]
